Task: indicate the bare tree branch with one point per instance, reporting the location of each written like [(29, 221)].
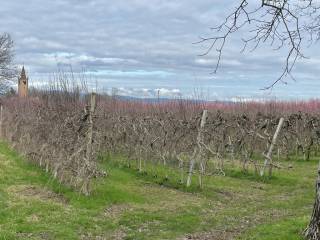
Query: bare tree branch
[(282, 24), (7, 70)]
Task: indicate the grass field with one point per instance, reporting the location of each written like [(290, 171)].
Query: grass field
[(130, 205)]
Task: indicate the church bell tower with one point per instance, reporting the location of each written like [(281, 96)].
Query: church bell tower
[(23, 84)]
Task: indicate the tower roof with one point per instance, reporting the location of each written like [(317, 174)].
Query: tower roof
[(23, 73)]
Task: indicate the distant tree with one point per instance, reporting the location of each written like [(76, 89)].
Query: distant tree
[(7, 70), (283, 24)]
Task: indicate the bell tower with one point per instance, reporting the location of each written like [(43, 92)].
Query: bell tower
[(23, 84)]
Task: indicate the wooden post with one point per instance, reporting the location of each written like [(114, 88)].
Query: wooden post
[(195, 154), (140, 160), (267, 161), (85, 189), (1, 120), (181, 171), (90, 130)]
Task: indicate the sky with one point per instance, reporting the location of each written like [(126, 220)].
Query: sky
[(146, 47)]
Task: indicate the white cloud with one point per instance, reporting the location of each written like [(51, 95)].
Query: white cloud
[(146, 92), (143, 44), (168, 92)]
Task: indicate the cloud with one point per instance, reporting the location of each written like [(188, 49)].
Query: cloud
[(145, 92), (143, 44)]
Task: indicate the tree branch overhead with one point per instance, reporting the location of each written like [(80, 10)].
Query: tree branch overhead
[(281, 24)]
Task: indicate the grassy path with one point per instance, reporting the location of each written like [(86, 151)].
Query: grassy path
[(127, 205)]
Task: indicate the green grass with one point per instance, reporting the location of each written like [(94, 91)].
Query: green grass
[(132, 205)]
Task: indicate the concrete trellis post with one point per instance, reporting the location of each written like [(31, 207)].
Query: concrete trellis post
[(197, 152), (268, 159)]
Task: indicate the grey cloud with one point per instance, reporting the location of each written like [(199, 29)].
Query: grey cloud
[(116, 41)]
